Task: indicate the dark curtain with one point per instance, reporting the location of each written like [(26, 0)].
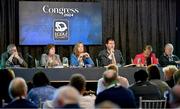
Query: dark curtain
[(132, 23), (178, 27)]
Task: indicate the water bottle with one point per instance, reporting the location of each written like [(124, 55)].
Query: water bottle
[(65, 62), (139, 62), (81, 64)]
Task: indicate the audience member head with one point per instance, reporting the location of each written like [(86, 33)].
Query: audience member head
[(176, 77), (6, 75), (78, 48), (79, 82), (112, 67), (147, 50), (169, 71), (11, 48), (110, 77), (154, 72), (110, 43), (140, 75), (50, 49), (169, 49), (17, 88), (40, 79), (65, 95), (175, 97)]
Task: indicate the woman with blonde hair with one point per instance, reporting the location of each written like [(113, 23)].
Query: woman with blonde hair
[(79, 57), (169, 71)]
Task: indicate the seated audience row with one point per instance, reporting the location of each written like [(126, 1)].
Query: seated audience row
[(147, 85)]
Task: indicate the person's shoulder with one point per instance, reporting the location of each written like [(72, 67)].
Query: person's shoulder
[(57, 55), (162, 55), (29, 104), (72, 55), (44, 54), (117, 50), (101, 79), (49, 87), (103, 51), (122, 78), (4, 54), (137, 55), (153, 54), (175, 56), (118, 89)]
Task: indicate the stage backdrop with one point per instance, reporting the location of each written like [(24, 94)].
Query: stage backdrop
[(133, 24), (60, 23)]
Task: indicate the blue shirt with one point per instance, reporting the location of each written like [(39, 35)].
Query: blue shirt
[(44, 93), (74, 60)]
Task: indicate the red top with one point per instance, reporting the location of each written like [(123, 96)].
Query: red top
[(142, 60)]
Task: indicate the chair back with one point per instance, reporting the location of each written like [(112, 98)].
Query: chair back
[(97, 62), (41, 103), (4, 103), (152, 104), (37, 63)]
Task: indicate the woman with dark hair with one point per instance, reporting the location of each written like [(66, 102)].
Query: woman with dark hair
[(42, 90), (6, 75), (155, 78), (79, 57), (50, 59)]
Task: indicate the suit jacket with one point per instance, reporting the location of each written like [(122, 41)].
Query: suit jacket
[(164, 60), (6, 63), (20, 103), (118, 95), (150, 60), (44, 60), (104, 60), (146, 90)]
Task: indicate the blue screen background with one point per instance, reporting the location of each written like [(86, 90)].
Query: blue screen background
[(36, 27)]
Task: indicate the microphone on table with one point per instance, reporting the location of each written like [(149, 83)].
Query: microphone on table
[(29, 56)]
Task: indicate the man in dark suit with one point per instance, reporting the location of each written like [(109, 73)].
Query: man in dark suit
[(12, 58), (110, 55), (115, 93), (168, 58), (143, 88), (18, 91)]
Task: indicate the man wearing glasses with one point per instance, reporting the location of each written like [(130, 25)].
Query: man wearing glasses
[(12, 58)]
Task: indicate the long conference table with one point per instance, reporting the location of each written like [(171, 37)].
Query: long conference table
[(64, 74)]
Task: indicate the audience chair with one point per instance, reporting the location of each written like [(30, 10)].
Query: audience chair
[(97, 62), (4, 103), (152, 104), (41, 103)]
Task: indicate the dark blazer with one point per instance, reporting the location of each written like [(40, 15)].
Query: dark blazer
[(104, 60), (5, 63), (146, 90), (20, 103), (118, 95), (164, 60)]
